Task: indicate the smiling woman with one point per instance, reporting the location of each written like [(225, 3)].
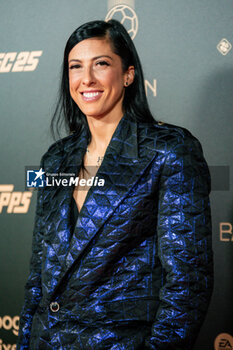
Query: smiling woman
[(127, 265), (97, 79)]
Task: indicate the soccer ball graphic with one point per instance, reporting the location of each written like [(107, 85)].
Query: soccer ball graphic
[(127, 16)]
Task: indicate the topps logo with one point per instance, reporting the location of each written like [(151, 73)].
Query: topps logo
[(15, 202), (26, 61)]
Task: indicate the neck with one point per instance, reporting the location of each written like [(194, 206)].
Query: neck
[(101, 131)]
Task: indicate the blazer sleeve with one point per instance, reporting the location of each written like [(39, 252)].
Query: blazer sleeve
[(184, 246), (33, 285)]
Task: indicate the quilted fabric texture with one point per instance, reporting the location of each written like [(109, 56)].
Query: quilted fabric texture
[(136, 273)]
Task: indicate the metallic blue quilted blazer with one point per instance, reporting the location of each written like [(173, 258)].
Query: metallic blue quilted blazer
[(136, 272)]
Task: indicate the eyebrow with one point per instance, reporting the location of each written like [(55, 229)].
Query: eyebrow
[(94, 58)]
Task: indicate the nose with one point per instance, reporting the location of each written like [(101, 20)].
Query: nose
[(88, 76)]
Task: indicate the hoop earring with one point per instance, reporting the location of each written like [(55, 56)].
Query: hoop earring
[(126, 84)]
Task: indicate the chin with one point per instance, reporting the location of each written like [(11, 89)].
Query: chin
[(95, 116), (93, 113)]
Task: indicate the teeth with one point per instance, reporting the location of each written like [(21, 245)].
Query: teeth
[(90, 94)]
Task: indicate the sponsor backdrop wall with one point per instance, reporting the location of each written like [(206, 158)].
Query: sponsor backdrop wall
[(186, 51)]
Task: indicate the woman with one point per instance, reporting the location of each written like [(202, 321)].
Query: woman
[(135, 269)]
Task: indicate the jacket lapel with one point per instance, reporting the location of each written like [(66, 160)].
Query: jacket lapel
[(60, 197), (120, 169)]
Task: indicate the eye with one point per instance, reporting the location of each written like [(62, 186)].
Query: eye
[(74, 66), (102, 63)]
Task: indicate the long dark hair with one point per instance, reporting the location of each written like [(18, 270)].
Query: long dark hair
[(135, 102)]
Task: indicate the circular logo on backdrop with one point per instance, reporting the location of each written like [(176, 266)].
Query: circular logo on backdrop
[(223, 341), (127, 16)]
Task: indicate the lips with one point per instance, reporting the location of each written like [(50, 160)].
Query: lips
[(91, 95)]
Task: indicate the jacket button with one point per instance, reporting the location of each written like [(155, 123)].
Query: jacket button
[(54, 306)]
